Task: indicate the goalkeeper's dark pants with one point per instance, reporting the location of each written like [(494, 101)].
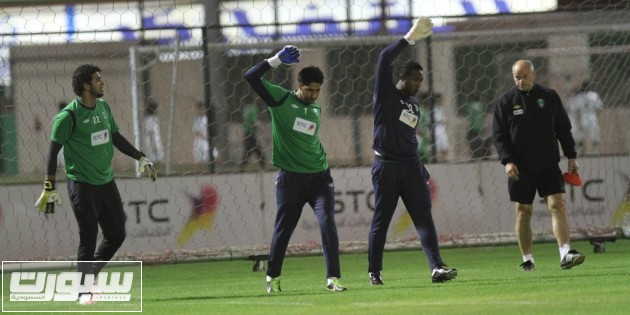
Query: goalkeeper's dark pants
[(94, 206), (293, 192), (409, 181)]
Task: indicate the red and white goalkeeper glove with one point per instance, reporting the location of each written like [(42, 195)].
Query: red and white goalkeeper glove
[(46, 201), (423, 28)]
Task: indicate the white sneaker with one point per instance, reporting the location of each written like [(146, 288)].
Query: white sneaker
[(572, 259), (442, 274), (335, 285), (86, 299)]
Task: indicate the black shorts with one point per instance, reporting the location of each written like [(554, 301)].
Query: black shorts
[(547, 182)]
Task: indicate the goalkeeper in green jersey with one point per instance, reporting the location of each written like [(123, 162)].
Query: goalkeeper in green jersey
[(304, 175), (88, 133)]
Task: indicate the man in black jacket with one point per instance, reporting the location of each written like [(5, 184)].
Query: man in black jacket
[(529, 120)]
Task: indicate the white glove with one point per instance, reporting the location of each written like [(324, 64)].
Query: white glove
[(146, 166), (46, 201), (423, 28)]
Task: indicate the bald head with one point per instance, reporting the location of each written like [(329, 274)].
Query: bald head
[(524, 75), (523, 64)]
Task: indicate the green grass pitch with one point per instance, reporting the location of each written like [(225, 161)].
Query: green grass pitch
[(489, 282)]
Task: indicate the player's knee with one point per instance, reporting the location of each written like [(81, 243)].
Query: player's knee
[(556, 205), (524, 211), (87, 236), (117, 240), (557, 209), (122, 237)]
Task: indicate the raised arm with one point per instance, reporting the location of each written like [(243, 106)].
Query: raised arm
[(288, 55), (384, 68), (421, 29)]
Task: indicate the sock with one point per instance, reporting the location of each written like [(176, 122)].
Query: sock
[(564, 249), (270, 278), (330, 279), (528, 257)]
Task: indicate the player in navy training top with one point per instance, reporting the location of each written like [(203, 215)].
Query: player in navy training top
[(397, 170)]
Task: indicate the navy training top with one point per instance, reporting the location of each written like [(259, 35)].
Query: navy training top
[(393, 138)]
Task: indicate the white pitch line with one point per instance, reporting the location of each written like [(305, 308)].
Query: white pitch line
[(450, 302), (271, 303)]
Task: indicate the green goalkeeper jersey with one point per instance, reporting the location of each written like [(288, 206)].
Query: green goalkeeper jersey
[(295, 132), (86, 137)]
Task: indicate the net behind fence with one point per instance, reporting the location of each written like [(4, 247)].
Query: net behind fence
[(185, 103)]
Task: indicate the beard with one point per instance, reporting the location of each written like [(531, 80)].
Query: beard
[(96, 93)]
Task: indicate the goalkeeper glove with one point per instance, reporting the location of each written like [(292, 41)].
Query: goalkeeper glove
[(146, 166), (288, 55), (423, 28), (48, 198)]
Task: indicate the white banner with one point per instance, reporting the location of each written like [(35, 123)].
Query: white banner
[(238, 211), (242, 20)]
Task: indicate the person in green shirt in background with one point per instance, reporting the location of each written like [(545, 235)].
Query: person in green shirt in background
[(478, 141), (251, 122)]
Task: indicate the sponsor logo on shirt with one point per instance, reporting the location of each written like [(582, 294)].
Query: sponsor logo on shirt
[(414, 108), (540, 102), (518, 109), (304, 126), (100, 137), (409, 118)]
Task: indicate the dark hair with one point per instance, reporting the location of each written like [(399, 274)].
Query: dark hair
[(82, 74), (406, 68), (310, 75)]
